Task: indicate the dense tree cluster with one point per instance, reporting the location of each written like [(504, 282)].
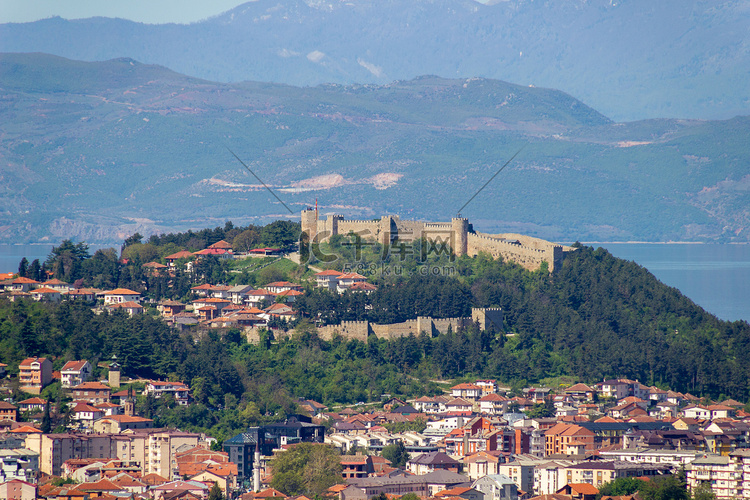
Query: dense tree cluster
[(597, 316)]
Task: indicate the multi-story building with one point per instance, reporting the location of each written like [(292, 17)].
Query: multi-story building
[(75, 372), (8, 411), (153, 450), (92, 392), (34, 374), (568, 439), (604, 471), (295, 429)]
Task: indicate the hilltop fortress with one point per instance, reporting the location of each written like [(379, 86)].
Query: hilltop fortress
[(458, 234)]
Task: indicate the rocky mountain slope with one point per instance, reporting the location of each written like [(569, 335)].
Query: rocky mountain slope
[(100, 150), (629, 59)]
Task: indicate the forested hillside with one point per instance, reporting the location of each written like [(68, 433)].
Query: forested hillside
[(596, 317)]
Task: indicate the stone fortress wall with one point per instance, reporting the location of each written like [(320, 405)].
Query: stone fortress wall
[(486, 317), (526, 251)]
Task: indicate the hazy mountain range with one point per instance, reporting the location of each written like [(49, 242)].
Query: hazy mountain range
[(99, 150), (629, 59)]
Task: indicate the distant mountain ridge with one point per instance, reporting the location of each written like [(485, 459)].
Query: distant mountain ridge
[(97, 151), (630, 59)]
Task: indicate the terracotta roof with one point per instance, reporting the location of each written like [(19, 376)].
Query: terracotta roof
[(91, 386), (26, 429), (154, 265), (24, 281), (28, 361), (54, 281), (466, 386), (183, 254), (73, 365), (584, 488), (221, 244), (126, 305), (121, 291), (212, 251), (329, 272), (352, 276), (282, 284), (33, 401)]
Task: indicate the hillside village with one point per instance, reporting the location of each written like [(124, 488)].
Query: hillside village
[(478, 440)]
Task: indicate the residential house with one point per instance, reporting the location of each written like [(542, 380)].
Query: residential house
[(117, 423), (92, 392), (170, 308), (467, 391), (8, 411), (46, 294), (16, 489), (32, 404), (464, 492), (219, 253), (579, 491), (430, 462), (459, 405), (327, 279), (75, 372), (210, 302), (87, 294), (120, 295), (347, 280), (496, 487), (179, 390), (489, 386), (239, 293), (581, 392), (356, 466), (130, 307), (483, 463), (86, 414), (282, 286), (536, 394), (697, 411), (259, 297), (172, 259), (22, 284), (34, 374)]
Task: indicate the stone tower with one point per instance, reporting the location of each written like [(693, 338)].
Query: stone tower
[(460, 230), (129, 405), (114, 373), (310, 223)]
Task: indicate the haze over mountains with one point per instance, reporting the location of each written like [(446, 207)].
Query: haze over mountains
[(96, 151), (629, 59)]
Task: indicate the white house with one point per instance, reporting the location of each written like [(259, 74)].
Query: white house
[(75, 372)]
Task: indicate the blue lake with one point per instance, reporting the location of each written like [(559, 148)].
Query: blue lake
[(716, 277)]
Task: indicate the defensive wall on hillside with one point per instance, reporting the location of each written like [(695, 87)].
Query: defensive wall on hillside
[(486, 317), (526, 251)]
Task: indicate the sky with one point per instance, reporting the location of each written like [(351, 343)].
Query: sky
[(145, 11)]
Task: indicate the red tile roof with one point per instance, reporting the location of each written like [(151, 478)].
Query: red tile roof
[(121, 291), (183, 254)]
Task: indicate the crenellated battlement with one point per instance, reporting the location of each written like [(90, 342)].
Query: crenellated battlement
[(523, 250)]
